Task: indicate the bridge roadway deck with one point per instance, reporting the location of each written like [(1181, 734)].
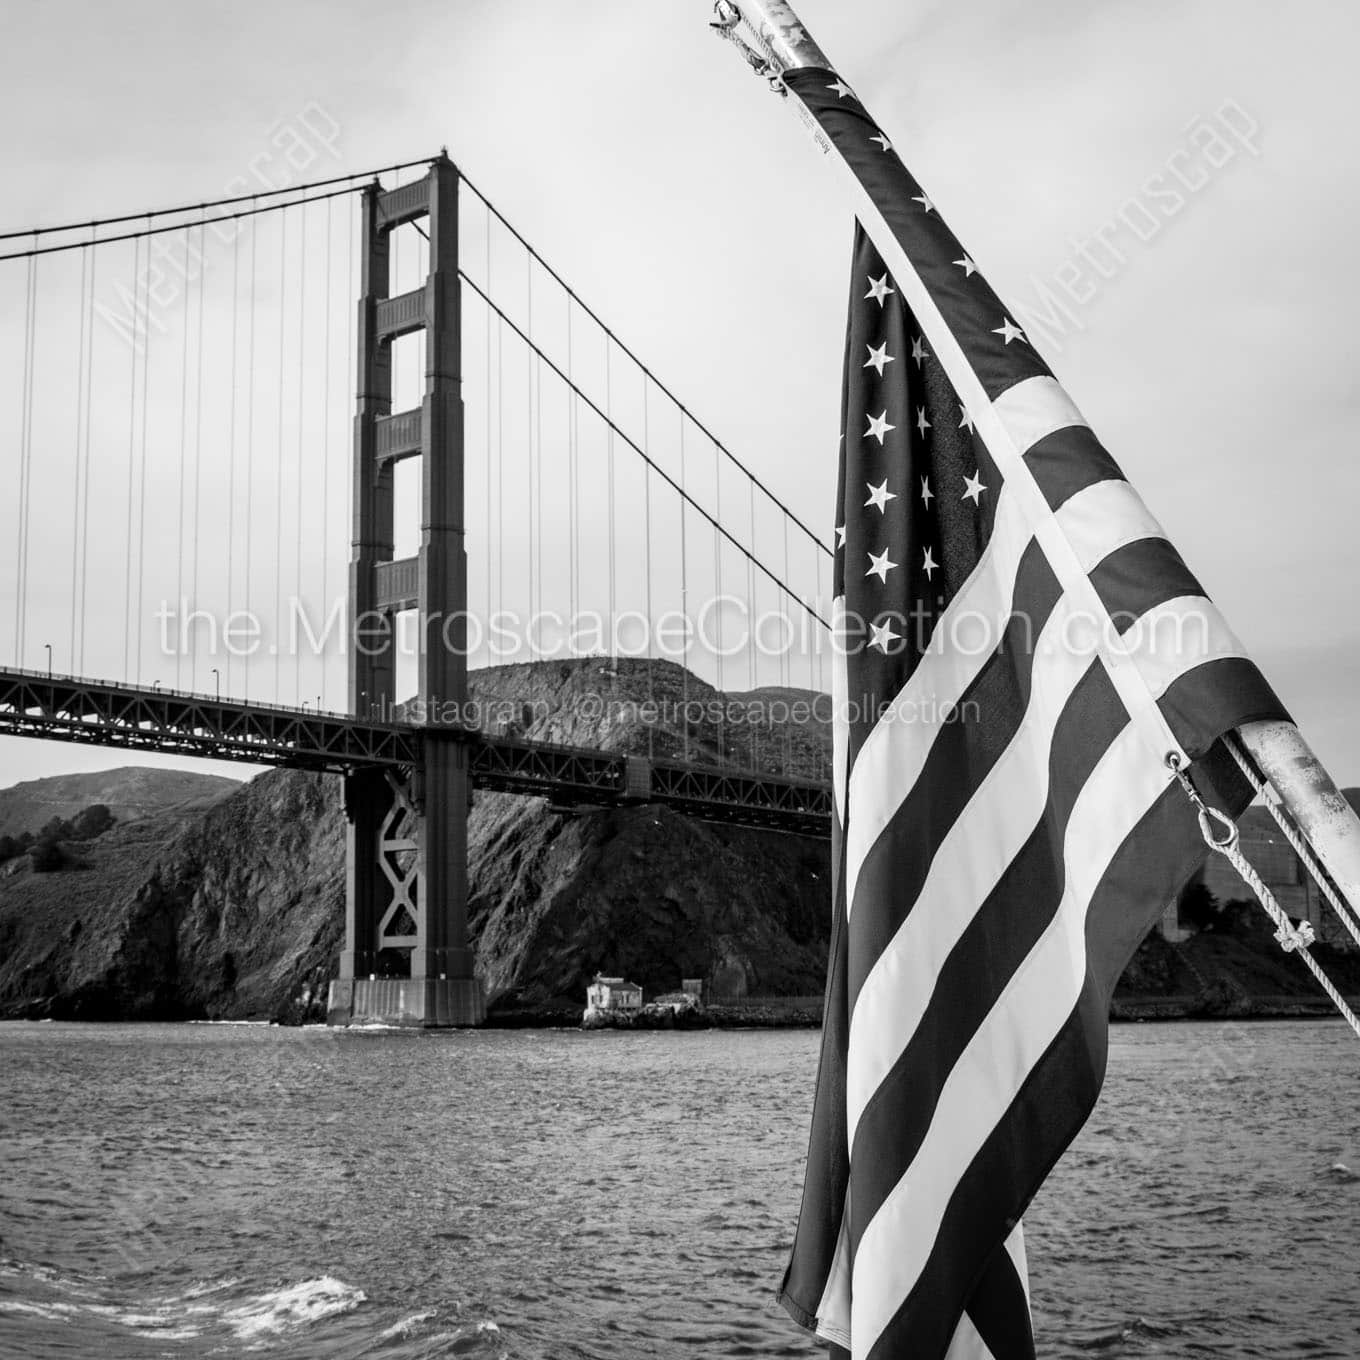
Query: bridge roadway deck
[(66, 708)]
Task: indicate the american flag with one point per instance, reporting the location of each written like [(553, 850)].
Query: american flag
[(1021, 650)]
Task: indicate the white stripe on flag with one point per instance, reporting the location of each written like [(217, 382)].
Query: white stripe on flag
[(987, 1078), (1015, 1246), (1036, 408), (1104, 517), (833, 1310), (990, 832), (894, 753), (967, 1344), (987, 836)]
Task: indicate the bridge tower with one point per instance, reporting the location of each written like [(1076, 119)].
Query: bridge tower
[(406, 958)]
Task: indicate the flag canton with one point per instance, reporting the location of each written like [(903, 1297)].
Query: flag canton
[(917, 496)]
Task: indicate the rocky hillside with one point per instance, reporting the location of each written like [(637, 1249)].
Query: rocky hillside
[(132, 792), (235, 910)]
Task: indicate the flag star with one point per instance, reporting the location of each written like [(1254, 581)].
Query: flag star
[(840, 535), (1009, 331), (882, 635), (880, 566), (926, 492), (968, 267), (841, 88), (975, 489), (928, 566), (879, 496), (918, 350), (922, 423), (882, 141), (878, 357), (924, 201), (965, 418), (878, 425), (879, 289)]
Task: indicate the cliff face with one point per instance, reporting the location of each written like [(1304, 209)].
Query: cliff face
[(130, 792), (237, 910)]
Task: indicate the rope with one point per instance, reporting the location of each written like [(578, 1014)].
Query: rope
[(1292, 834), (1292, 939)]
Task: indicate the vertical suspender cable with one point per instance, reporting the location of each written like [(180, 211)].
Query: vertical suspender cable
[(572, 408), (786, 664), (647, 521), (141, 481), (684, 593), (609, 421), (181, 469), (250, 445), (500, 464), (754, 722), (198, 431), (80, 467), (231, 441), (278, 460), (486, 417), (326, 454), (351, 285), (718, 598), (79, 666), (132, 454), (301, 413), (529, 430), (25, 458)]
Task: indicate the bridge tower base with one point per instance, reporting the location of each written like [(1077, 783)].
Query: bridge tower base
[(407, 958)]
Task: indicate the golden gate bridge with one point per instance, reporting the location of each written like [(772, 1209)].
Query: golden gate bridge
[(520, 486)]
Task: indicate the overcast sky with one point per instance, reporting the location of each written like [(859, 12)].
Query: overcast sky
[(683, 201)]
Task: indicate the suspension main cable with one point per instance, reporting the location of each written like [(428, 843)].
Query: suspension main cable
[(614, 428), (661, 387), (367, 175)]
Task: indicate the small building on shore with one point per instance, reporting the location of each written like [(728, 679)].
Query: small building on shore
[(614, 994)]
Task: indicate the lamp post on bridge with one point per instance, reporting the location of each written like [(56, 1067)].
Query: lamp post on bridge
[(48, 645), (217, 683)]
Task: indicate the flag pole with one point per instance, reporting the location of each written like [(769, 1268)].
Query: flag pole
[(775, 40)]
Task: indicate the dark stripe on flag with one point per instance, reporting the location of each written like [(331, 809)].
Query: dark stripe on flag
[(1069, 460), (1191, 704), (1140, 576), (1152, 864), (965, 749), (999, 1184), (992, 947), (827, 1172), (999, 1309), (973, 311)]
